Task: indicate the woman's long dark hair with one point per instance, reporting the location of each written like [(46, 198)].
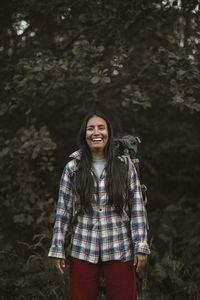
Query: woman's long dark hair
[(116, 179)]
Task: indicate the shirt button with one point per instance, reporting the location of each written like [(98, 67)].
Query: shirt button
[(100, 209)]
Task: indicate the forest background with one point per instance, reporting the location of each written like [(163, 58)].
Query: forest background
[(137, 62)]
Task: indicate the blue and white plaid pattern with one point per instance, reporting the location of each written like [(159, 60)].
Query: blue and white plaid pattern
[(104, 234)]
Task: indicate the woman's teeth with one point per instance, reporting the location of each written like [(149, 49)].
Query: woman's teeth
[(97, 140)]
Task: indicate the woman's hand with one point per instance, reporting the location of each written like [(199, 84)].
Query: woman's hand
[(140, 261), (60, 264)]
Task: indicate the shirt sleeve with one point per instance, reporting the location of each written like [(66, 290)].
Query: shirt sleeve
[(63, 216), (138, 216)]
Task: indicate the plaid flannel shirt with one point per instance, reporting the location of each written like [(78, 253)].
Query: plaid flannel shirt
[(104, 234)]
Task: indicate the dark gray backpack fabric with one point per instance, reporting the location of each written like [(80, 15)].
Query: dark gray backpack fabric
[(127, 147)]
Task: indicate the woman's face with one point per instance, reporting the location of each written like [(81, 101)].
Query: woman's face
[(96, 133)]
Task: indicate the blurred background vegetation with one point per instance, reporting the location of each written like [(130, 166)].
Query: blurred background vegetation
[(136, 61)]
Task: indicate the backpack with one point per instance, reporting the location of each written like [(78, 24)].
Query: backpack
[(128, 149)]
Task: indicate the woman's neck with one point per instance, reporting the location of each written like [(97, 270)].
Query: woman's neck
[(97, 155)]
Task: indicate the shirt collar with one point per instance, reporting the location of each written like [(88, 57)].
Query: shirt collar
[(76, 155)]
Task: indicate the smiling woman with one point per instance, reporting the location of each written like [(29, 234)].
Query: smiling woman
[(97, 136), (107, 232)]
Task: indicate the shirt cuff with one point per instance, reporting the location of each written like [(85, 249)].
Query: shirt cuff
[(141, 247), (57, 251)]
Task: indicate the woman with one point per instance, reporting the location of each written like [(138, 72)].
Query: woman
[(107, 232)]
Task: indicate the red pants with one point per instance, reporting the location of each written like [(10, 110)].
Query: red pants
[(119, 278)]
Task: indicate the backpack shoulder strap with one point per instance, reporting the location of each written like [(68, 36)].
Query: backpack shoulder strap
[(128, 161)]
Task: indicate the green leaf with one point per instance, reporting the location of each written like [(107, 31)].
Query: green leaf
[(180, 73), (64, 67), (95, 79), (115, 72), (100, 48), (107, 79), (35, 152), (94, 69), (37, 69), (178, 99), (4, 152)]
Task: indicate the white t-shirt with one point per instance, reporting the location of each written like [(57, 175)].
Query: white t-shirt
[(98, 166)]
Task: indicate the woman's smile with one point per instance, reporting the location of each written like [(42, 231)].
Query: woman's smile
[(97, 140)]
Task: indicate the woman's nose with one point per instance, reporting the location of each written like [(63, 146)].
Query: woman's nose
[(96, 130)]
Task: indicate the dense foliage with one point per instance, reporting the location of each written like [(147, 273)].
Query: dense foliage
[(136, 61)]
